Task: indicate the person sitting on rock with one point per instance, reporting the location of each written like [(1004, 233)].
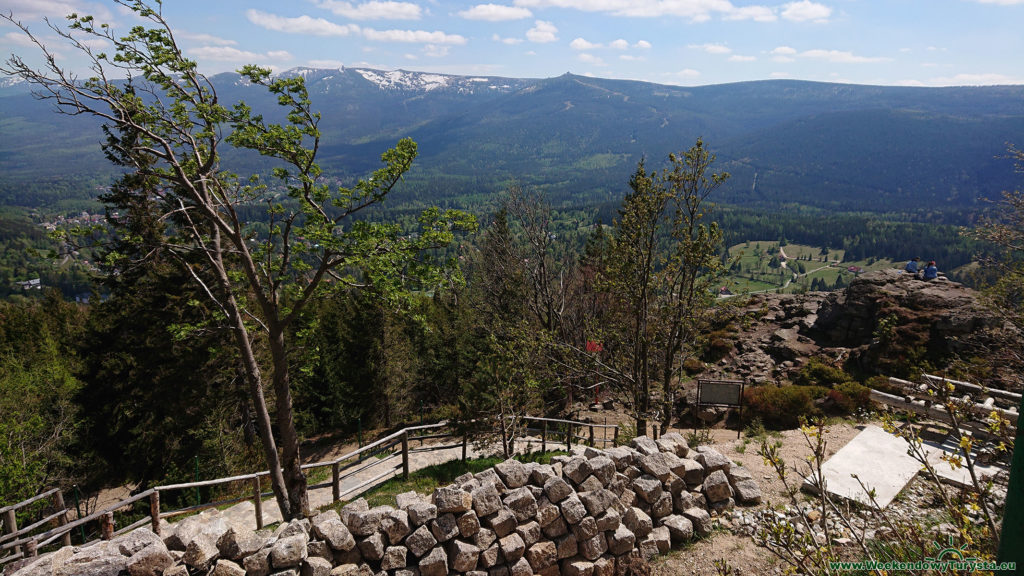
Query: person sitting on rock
[(931, 272), (911, 266)]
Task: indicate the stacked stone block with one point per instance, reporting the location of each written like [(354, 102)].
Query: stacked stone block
[(582, 515)]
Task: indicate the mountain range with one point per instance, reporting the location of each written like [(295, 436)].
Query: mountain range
[(834, 146)]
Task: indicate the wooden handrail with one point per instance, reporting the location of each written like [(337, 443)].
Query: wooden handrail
[(72, 525), (1004, 394), (24, 503), (573, 422), (32, 527), (389, 441), (213, 482)]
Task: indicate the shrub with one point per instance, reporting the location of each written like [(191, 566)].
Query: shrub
[(782, 407), (850, 396), (693, 366), (881, 383), (718, 345), (817, 373)]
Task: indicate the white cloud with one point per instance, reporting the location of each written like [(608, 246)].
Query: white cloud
[(840, 57), (694, 10), (806, 11), (984, 79), (495, 13), (789, 54), (56, 10), (325, 64), (299, 24), (739, 58), (232, 54), (755, 13), (712, 48), (95, 44), (619, 44), (591, 59), (542, 32), (782, 54), (631, 58), (321, 27), (509, 41), (643, 44), (373, 10), (206, 39), (435, 51), (581, 44), (436, 37), (19, 39), (684, 76)]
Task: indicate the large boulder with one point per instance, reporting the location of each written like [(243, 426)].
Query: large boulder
[(452, 500), (210, 523), (716, 486), (150, 560)]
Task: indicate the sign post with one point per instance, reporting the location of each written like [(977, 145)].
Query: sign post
[(727, 393)]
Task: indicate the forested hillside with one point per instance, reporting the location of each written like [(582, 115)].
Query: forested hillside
[(839, 147)]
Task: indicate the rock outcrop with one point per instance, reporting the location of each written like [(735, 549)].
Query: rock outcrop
[(881, 323)]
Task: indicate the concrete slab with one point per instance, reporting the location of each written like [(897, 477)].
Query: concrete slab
[(956, 476), (878, 458)]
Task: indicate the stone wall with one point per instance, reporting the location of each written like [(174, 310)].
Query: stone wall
[(595, 514)]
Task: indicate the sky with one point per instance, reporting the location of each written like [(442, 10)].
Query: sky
[(682, 42)]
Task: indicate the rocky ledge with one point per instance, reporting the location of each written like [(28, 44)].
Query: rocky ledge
[(882, 323), (594, 514)]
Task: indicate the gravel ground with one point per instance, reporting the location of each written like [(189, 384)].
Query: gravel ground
[(742, 554)]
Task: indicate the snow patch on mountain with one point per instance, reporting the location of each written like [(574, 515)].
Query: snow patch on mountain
[(402, 80)]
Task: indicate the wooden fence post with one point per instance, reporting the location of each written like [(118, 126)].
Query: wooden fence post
[(31, 548), (336, 482), (591, 435), (504, 440), (615, 436), (465, 445), (58, 502), (257, 501), (154, 511), (544, 436), (568, 438), (405, 454), (11, 526), (107, 526)]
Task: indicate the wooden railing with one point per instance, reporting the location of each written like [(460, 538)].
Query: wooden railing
[(23, 543)]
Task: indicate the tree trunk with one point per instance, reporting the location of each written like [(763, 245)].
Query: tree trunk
[(253, 376), (294, 477), (254, 385)]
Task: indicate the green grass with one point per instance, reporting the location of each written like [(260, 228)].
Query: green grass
[(426, 480), (755, 255)]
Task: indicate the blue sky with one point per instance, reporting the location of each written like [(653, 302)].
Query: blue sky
[(685, 42)]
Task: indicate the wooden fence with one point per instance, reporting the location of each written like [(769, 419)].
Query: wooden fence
[(24, 542)]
